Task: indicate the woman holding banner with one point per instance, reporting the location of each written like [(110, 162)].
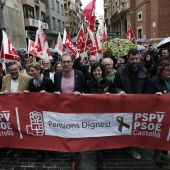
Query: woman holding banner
[(160, 84), (39, 83), (98, 84)]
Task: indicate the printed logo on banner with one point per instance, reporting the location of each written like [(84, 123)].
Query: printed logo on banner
[(122, 123), (36, 127), (5, 124), (148, 124)]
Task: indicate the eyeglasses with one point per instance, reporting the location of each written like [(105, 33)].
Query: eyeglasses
[(13, 70), (68, 62)]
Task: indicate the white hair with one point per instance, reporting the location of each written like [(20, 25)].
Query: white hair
[(107, 59)]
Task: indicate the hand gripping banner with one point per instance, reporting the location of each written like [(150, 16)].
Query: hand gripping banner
[(71, 123)]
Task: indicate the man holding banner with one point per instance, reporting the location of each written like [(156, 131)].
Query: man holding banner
[(69, 80), (131, 79)]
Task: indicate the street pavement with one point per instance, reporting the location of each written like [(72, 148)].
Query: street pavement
[(114, 159)]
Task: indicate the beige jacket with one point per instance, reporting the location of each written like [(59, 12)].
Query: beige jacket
[(23, 82)]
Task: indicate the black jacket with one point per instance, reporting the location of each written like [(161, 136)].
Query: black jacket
[(92, 86), (123, 83), (47, 85), (156, 84)]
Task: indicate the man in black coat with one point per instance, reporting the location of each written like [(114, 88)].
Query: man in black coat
[(131, 79)]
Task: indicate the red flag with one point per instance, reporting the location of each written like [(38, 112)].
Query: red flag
[(59, 46), (88, 14), (80, 37), (130, 34), (31, 47), (104, 38), (41, 45), (8, 52), (69, 44)]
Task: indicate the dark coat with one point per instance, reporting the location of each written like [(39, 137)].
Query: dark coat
[(47, 85), (92, 86), (79, 81), (151, 68), (156, 84), (47, 72), (123, 83)]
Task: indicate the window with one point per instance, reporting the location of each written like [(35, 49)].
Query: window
[(140, 16), (59, 25), (52, 4), (54, 24), (42, 16), (139, 33), (43, 1), (28, 11), (62, 10), (57, 6), (48, 22)]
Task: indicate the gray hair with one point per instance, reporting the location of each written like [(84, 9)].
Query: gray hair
[(11, 63), (107, 59), (67, 54)]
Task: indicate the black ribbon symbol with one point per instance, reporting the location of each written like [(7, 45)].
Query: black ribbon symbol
[(121, 123)]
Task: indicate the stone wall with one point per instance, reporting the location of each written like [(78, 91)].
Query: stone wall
[(14, 24)]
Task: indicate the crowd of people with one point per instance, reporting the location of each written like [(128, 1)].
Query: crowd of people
[(134, 74)]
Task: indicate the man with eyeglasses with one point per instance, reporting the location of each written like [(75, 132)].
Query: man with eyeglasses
[(69, 80), (15, 81)]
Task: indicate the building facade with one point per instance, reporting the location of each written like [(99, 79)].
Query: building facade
[(73, 18), (13, 23), (145, 16), (33, 11), (55, 17)]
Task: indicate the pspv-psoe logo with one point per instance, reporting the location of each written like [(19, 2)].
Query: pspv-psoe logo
[(36, 127)]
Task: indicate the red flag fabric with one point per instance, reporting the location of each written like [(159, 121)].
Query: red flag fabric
[(80, 37), (59, 46), (41, 45), (8, 52), (104, 38), (130, 34), (31, 47), (88, 14), (69, 44)]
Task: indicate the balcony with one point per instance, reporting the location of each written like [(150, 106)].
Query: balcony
[(73, 13), (67, 24), (73, 24), (29, 22), (67, 11), (114, 18)]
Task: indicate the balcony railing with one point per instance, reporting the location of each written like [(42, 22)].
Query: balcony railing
[(114, 17), (74, 13)]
